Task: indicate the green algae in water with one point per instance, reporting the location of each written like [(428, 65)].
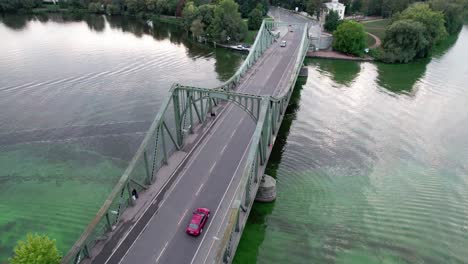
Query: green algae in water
[(52, 189)]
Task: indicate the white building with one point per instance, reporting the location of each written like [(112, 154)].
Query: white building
[(336, 6)]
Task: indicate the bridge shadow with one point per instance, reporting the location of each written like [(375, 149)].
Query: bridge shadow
[(255, 228)]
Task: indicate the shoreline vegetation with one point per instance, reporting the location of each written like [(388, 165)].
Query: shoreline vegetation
[(220, 21)]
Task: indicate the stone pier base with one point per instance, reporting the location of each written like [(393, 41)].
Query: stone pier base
[(267, 189)]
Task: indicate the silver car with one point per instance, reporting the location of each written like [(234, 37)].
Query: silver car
[(283, 44)]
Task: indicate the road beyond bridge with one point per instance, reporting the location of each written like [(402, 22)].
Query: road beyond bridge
[(205, 148)]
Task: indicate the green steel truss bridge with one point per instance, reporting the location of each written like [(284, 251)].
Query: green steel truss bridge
[(185, 112)]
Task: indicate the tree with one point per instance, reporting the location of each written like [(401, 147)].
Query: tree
[(432, 21), (256, 18), (313, 7), (36, 249), (453, 13), (390, 7), (332, 21), (350, 38), (404, 41), (227, 22), (206, 13), (197, 28), (189, 14), (151, 5), (356, 6)]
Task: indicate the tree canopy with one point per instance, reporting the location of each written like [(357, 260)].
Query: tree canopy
[(453, 13), (36, 249), (404, 41), (256, 18), (332, 21), (432, 21), (227, 23), (350, 38)]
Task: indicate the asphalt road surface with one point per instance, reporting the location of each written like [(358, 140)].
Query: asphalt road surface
[(212, 171)]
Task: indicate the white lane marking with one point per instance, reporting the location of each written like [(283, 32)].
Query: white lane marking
[(204, 142), (183, 216), (212, 167), (200, 148), (162, 251), (221, 225), (219, 205), (199, 189), (224, 148)]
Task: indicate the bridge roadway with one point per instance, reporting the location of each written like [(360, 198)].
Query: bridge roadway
[(210, 177)]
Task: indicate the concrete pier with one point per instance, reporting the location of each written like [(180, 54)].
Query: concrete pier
[(267, 189)]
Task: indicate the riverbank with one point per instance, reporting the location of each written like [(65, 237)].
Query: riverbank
[(336, 56)]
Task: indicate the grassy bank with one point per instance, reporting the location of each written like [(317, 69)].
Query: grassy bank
[(250, 37), (377, 27), (169, 20)]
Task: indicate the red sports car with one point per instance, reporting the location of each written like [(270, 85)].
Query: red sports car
[(199, 219)]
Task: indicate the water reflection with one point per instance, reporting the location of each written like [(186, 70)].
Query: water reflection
[(400, 78), (342, 72), (15, 22)]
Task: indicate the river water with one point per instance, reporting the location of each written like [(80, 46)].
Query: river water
[(371, 166), (371, 160), (76, 97)]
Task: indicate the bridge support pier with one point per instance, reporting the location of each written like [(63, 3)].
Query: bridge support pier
[(267, 189)]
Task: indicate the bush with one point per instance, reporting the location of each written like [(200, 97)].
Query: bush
[(36, 249), (350, 38)]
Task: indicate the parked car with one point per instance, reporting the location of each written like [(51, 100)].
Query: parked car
[(240, 47), (198, 221), (283, 43)]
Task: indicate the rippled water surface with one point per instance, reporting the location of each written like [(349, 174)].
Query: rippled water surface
[(76, 97), (371, 166)]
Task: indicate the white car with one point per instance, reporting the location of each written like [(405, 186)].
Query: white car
[(283, 44)]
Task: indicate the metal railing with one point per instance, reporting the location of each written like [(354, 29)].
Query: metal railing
[(272, 112), (181, 111)]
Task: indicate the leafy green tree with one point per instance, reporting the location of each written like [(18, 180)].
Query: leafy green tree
[(350, 38), (135, 7), (453, 13), (256, 18), (36, 249), (113, 9), (332, 21), (95, 7), (313, 7), (356, 6), (206, 13), (161, 7), (197, 28), (432, 21), (390, 7), (151, 5), (404, 41), (189, 14), (227, 22)]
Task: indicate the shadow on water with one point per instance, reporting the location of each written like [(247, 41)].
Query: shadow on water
[(401, 78), (283, 133), (256, 223), (342, 72)]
